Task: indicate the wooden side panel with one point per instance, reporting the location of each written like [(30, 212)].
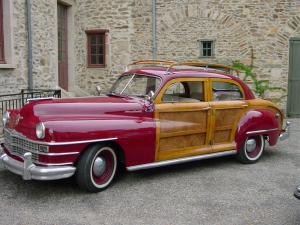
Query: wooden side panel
[(182, 130), (225, 124), (181, 142), (183, 121)]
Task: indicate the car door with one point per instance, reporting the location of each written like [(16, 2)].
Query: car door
[(182, 119), (228, 105)]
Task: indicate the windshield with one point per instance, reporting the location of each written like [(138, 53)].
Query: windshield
[(135, 85)]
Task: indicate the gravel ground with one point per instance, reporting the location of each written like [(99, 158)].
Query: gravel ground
[(217, 191)]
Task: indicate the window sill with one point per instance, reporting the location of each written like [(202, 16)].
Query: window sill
[(206, 57), (8, 66), (97, 67)]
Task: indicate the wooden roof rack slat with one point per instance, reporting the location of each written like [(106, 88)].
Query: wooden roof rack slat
[(166, 63), (204, 65)]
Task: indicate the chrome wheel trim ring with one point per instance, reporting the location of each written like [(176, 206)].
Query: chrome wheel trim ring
[(113, 171), (262, 145)]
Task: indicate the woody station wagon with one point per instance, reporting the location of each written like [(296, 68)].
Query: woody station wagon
[(156, 114)]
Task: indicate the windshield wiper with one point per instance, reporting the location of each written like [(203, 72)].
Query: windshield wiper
[(115, 94)]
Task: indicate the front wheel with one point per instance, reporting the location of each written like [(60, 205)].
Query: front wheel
[(252, 149), (96, 168)]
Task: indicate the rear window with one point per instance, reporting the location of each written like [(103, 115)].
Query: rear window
[(225, 91)]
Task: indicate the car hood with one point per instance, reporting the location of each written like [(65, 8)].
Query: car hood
[(76, 108)]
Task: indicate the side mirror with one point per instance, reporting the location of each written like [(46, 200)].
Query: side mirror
[(149, 104), (98, 89), (150, 96)]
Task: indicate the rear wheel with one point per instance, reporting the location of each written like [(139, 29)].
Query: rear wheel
[(252, 149), (96, 168)]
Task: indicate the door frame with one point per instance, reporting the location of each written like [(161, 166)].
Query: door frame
[(225, 105), (71, 9), (288, 107), (182, 107)]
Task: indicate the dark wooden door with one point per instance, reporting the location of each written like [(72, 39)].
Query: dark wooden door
[(62, 46), (293, 109)]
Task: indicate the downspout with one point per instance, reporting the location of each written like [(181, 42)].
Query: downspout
[(154, 44), (29, 40)]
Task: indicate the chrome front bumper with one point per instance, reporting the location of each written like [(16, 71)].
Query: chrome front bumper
[(29, 171), (286, 132)]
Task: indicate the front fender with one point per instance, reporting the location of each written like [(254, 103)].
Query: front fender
[(136, 136), (262, 121)]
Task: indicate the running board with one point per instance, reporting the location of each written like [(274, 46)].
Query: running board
[(180, 160)]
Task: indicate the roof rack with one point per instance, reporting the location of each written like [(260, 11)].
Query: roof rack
[(204, 65), (165, 63)]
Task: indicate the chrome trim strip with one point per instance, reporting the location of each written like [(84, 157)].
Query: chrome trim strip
[(57, 154), (55, 164), (261, 131), (15, 133), (181, 160), (36, 99), (78, 142)]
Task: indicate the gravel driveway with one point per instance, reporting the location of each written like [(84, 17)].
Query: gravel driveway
[(217, 191)]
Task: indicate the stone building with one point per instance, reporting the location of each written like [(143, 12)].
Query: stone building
[(78, 44)]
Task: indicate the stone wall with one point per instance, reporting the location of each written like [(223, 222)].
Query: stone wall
[(255, 31), (114, 16), (250, 31), (44, 48), (14, 79)]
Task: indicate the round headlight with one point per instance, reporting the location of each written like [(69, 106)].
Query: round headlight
[(5, 118), (40, 130)]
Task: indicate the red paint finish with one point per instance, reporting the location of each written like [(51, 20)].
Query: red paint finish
[(79, 119), (254, 120)]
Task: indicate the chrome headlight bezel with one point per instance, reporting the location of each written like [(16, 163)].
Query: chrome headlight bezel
[(40, 130), (5, 118)]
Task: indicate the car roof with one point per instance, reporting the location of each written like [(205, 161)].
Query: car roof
[(195, 72), (183, 72)]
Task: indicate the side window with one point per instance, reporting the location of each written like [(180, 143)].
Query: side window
[(185, 92), (225, 91)]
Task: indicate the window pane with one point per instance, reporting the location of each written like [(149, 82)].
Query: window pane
[(100, 39), (225, 91), (208, 52), (93, 50), (100, 59), (208, 44), (185, 92), (93, 59), (100, 49), (139, 86), (96, 51)]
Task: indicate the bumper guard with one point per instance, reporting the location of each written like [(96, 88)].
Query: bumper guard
[(30, 171), (286, 132)]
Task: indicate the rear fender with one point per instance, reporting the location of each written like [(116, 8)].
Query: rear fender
[(262, 121)]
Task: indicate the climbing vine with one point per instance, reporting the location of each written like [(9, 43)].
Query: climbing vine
[(260, 87)]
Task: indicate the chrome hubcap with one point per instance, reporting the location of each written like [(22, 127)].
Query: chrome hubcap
[(250, 145), (99, 166)]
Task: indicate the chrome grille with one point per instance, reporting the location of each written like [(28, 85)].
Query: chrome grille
[(19, 145)]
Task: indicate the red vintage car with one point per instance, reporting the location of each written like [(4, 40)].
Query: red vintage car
[(158, 114)]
